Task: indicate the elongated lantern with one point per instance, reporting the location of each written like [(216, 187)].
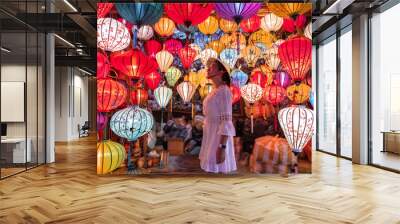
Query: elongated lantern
[(239, 78), (282, 79), (186, 90), (152, 80), (164, 60), (133, 63), (229, 56), (274, 94), (209, 25), (103, 66), (139, 96), (251, 24), (110, 95), (298, 93), (103, 9), (251, 93), (163, 95), (272, 58), (165, 27), (188, 14), (112, 35), (172, 75), (187, 56), (271, 22)]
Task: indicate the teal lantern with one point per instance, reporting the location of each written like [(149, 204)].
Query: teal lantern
[(239, 78), (131, 122), (229, 57)]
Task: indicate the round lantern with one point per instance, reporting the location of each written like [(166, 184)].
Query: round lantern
[(289, 25), (152, 47), (216, 45), (298, 93), (163, 95), (274, 94), (173, 46), (208, 26), (295, 55), (165, 27), (239, 78), (251, 24), (229, 56), (133, 63), (251, 93), (207, 54), (251, 54), (164, 60), (235, 94), (152, 80), (186, 90), (282, 79), (110, 95), (131, 122), (139, 96), (187, 56), (145, 33), (188, 13), (103, 66), (237, 11), (288, 9), (308, 31), (103, 9), (140, 13), (112, 35), (227, 26), (263, 37), (272, 58), (172, 75), (300, 21), (205, 90), (110, 156), (194, 78), (271, 22)]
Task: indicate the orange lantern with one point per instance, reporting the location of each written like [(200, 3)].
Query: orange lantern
[(298, 93), (110, 95), (251, 24), (263, 37), (251, 54), (165, 27), (194, 78), (216, 45), (227, 26), (289, 9), (209, 26)]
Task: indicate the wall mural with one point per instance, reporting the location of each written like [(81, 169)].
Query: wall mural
[(155, 91)]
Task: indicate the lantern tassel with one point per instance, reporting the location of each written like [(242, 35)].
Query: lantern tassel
[(251, 119)]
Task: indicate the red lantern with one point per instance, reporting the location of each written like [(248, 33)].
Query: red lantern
[(110, 95), (152, 47), (274, 94), (259, 78), (139, 96), (103, 9), (173, 46), (187, 56), (103, 66), (152, 80), (133, 63), (189, 14), (289, 25), (301, 21), (235, 94), (295, 55), (251, 24)]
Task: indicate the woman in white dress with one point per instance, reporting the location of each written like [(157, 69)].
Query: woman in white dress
[(217, 154)]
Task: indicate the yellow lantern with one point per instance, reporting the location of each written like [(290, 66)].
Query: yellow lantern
[(194, 78), (165, 27), (110, 156), (263, 37), (251, 54), (203, 77), (172, 75), (205, 90), (226, 40), (289, 9), (227, 26), (216, 45), (209, 26), (298, 93), (164, 60)]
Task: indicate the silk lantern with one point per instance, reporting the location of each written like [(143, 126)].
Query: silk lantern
[(163, 95), (308, 31), (165, 27), (152, 47), (239, 78), (205, 90), (235, 94), (272, 58), (152, 80), (289, 25), (202, 74), (263, 37), (188, 13), (289, 9), (251, 54), (300, 21), (164, 60), (139, 96), (186, 91), (274, 94), (133, 63), (216, 45), (187, 56), (282, 79), (110, 156), (194, 78), (110, 95), (209, 25), (259, 78), (173, 46), (251, 24), (229, 56), (237, 11), (112, 35), (295, 55), (103, 9), (145, 33), (207, 54), (271, 22), (227, 26), (172, 75), (103, 66), (251, 93), (298, 93), (131, 122)]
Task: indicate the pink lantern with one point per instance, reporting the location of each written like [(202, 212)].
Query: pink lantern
[(173, 46)]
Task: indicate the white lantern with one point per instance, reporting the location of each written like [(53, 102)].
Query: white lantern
[(164, 60), (112, 35), (145, 33), (163, 94), (271, 22), (229, 56), (308, 31), (251, 93), (272, 58), (186, 90), (207, 54)]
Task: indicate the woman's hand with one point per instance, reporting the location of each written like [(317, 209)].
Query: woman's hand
[(220, 156)]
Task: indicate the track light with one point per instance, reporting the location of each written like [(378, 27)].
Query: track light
[(70, 5), (64, 40), (5, 50), (84, 71)]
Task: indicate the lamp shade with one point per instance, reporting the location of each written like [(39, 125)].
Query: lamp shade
[(251, 54), (209, 25), (139, 96), (112, 35), (274, 94), (186, 90), (152, 47), (289, 9), (188, 13), (164, 60), (216, 45), (103, 9), (282, 79), (229, 56), (308, 31), (237, 11), (133, 63), (227, 26), (251, 92), (239, 78), (263, 37), (187, 56), (251, 24), (110, 156), (298, 93), (140, 13), (131, 122), (145, 32), (207, 54), (165, 27), (205, 90), (297, 123), (272, 58), (271, 22), (235, 94), (152, 80), (173, 46), (295, 55), (110, 95), (163, 95), (172, 75), (103, 66)]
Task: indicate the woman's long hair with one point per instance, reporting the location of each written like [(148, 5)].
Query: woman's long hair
[(226, 78)]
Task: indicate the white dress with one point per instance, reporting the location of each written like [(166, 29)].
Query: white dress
[(217, 109)]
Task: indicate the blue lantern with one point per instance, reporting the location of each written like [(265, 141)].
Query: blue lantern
[(200, 39), (239, 78), (179, 35), (229, 57), (131, 122)]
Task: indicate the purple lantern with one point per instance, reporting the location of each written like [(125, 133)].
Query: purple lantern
[(237, 11), (101, 121), (282, 79)]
